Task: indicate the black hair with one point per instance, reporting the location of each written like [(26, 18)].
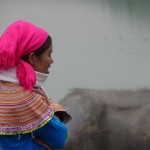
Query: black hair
[(44, 47), (41, 49)]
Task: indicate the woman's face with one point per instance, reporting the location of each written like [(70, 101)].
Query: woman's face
[(43, 62)]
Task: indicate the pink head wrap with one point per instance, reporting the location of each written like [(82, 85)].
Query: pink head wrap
[(20, 39)]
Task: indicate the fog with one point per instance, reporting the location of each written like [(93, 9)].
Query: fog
[(98, 44)]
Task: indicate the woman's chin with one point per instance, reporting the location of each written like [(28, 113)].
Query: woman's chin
[(47, 72)]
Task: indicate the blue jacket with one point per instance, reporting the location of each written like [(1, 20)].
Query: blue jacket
[(54, 133)]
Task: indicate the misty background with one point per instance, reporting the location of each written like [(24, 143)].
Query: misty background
[(97, 44)]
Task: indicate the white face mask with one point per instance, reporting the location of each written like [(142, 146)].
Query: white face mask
[(40, 78)]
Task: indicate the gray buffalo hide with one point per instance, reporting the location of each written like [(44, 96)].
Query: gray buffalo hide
[(108, 119)]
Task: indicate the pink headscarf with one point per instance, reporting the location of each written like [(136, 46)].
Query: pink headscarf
[(20, 39)]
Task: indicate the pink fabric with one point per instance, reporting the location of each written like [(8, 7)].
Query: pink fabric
[(20, 39)]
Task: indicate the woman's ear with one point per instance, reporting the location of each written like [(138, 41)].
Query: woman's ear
[(31, 58)]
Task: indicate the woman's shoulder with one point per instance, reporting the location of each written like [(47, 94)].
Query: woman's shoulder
[(12, 88), (25, 111)]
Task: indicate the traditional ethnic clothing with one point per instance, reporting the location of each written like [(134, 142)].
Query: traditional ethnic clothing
[(54, 132), (23, 112), (20, 39)]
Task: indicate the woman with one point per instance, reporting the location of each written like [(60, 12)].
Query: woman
[(27, 118)]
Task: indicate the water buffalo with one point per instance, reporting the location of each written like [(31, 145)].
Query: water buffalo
[(108, 119)]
